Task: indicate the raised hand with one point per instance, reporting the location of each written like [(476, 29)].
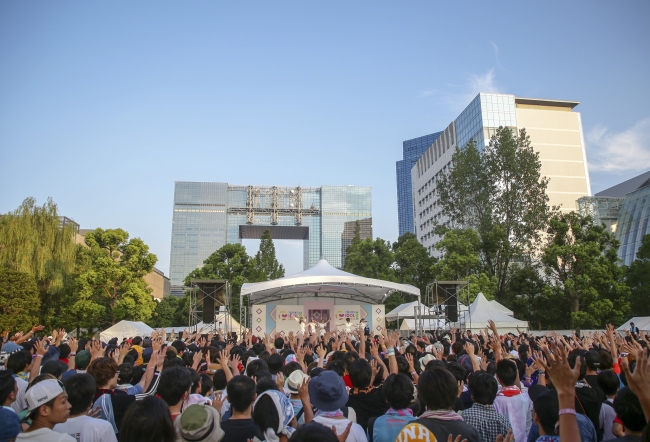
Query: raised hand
[(74, 345), (37, 328), (510, 437), (639, 381), (279, 381), (217, 402), (558, 369), (469, 348), (343, 436), (39, 347), (96, 350)]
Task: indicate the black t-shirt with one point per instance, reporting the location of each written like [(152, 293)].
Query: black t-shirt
[(367, 405), (442, 429), (240, 430), (588, 402)]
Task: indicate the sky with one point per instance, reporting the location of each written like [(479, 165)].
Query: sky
[(103, 105)]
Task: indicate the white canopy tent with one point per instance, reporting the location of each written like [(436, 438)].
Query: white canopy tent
[(408, 324), (327, 281), (502, 308), (407, 310), (223, 322), (125, 329), (482, 310), (643, 322)]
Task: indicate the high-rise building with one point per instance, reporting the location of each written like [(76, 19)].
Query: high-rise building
[(209, 215), (555, 132), (412, 150)]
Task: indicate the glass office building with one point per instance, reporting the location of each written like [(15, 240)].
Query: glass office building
[(209, 215), (412, 150)]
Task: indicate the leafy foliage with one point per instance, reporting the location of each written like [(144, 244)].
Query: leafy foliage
[(19, 301), (164, 314), (266, 262), (637, 277)]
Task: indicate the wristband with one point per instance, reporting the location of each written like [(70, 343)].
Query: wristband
[(567, 411), (38, 356), (414, 373), (72, 354)]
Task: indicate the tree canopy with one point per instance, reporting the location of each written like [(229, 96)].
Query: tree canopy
[(638, 279)]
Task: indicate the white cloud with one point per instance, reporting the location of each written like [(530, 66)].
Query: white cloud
[(457, 97), (628, 150)]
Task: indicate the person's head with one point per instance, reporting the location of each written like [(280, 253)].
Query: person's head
[(438, 389), (275, 363), (583, 365), (82, 360), (278, 343), (459, 372), (199, 423), (629, 411), (398, 389), (457, 347), (254, 366), (349, 358), (360, 373), (207, 387), (592, 359), (48, 403), (606, 360), (19, 361), (174, 385), (64, 351), (179, 346), (104, 370), (546, 412), (483, 387), (219, 380), (337, 366), (147, 420), (290, 368), (196, 381), (55, 367), (313, 432), (631, 324), (81, 392), (126, 372), (137, 340), (241, 393), (8, 388), (273, 413), (507, 372), (608, 382)]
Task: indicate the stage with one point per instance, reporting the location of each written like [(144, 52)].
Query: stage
[(319, 292)]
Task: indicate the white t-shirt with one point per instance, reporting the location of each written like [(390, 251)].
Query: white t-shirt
[(45, 435), (20, 403), (87, 429), (356, 432)]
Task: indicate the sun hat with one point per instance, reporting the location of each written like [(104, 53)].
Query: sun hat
[(10, 347), (425, 360), (199, 423), (10, 424), (327, 391), (295, 380), (42, 393)]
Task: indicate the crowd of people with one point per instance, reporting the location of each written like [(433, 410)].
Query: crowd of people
[(331, 386)]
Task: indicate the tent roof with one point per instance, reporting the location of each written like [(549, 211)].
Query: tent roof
[(201, 326), (428, 324), (481, 311), (405, 311), (643, 322), (325, 280), (126, 329), (502, 308)]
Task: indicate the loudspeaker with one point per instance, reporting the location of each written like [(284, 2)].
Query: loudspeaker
[(451, 306), (208, 310)]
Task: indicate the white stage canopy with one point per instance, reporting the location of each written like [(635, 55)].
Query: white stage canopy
[(125, 329), (481, 311), (407, 310), (428, 324), (502, 308), (643, 322), (227, 323), (326, 281)]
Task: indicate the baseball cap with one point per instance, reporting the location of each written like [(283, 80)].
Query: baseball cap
[(42, 393), (10, 347), (592, 358), (82, 359)]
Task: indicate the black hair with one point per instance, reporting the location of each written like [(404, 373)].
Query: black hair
[(398, 389), (313, 432), (247, 354), (261, 375), (258, 348), (608, 382), (483, 387), (81, 389), (438, 389), (491, 368), (459, 372), (278, 343), (7, 386), (622, 375), (128, 359), (628, 409), (196, 380), (265, 414), (256, 365), (290, 368), (402, 365), (136, 341), (336, 366), (206, 384), (264, 385), (53, 367), (173, 362), (275, 363), (583, 366), (19, 361), (434, 363), (188, 358), (64, 351), (521, 368), (219, 380), (179, 346), (126, 373), (241, 392), (349, 358), (147, 420), (360, 373), (507, 372), (174, 383)]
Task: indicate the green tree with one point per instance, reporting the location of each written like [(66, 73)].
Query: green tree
[(637, 277), (499, 192), (372, 259), (165, 312), (267, 264), (113, 287), (582, 265), (19, 301), (34, 241), (414, 265)]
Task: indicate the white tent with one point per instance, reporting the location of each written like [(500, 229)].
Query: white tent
[(428, 324), (502, 308), (407, 311), (643, 322), (481, 311), (223, 322), (125, 329), (326, 281)]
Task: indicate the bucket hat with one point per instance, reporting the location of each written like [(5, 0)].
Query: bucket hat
[(327, 391), (199, 423)]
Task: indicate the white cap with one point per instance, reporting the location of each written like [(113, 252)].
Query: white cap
[(42, 393), (295, 380)]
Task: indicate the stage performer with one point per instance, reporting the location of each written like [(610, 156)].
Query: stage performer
[(322, 324), (302, 323), (348, 325), (313, 325), (363, 327)]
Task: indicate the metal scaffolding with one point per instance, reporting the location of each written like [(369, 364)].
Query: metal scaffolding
[(275, 202), (213, 295), (439, 295)]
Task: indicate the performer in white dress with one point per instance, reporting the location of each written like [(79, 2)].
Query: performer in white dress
[(348, 325), (302, 323), (313, 325), (362, 326), (322, 326)]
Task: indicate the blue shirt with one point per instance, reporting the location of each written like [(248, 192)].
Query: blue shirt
[(386, 428)]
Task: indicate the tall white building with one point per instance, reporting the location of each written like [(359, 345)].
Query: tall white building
[(555, 132)]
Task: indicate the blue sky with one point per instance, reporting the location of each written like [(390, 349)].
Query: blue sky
[(103, 105)]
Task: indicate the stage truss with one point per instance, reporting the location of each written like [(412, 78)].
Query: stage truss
[(438, 295), (216, 290)]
